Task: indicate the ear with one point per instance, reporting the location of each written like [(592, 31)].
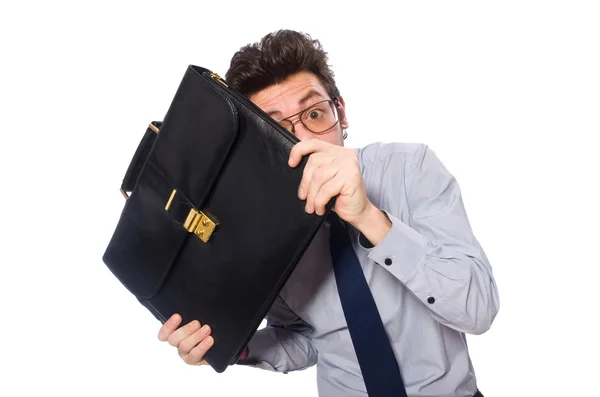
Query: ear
[(341, 107)]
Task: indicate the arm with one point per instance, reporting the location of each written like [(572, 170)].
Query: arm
[(284, 344), (435, 254)]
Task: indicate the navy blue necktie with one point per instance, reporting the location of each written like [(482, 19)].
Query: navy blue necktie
[(375, 355)]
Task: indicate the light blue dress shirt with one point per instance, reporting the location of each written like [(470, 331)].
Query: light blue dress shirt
[(429, 276)]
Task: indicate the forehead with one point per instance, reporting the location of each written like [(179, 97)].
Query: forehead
[(291, 95)]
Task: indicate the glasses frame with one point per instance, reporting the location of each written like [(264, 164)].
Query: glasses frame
[(333, 103)]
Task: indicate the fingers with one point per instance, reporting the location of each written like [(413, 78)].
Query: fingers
[(169, 327), (329, 190), (303, 148), (191, 341), (187, 344), (321, 178), (315, 161), (341, 177), (183, 332), (196, 355)]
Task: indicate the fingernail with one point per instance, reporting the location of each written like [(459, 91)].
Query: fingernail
[(300, 192), (208, 341), (204, 330), (195, 324), (176, 318)]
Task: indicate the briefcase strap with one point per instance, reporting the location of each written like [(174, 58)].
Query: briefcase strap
[(177, 205), (139, 158)]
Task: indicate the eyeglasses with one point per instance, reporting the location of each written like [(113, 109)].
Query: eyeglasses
[(318, 118)]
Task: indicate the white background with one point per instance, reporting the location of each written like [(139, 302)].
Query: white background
[(506, 93)]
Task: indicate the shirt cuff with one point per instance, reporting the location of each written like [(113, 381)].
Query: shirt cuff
[(401, 250), (258, 349)]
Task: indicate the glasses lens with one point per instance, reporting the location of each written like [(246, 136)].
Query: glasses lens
[(320, 117)]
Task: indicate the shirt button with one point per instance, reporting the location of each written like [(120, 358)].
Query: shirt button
[(388, 261), (431, 300)]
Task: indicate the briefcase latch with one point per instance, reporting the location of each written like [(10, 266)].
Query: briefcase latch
[(197, 222), (200, 224)]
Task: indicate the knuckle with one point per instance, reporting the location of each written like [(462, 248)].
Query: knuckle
[(172, 341), (351, 159), (322, 198), (197, 353), (351, 153), (319, 202), (189, 328), (307, 172), (319, 173), (328, 190), (307, 175), (182, 350)]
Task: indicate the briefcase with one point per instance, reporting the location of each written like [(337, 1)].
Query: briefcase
[(212, 226)]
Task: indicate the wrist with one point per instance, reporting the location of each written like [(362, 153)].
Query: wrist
[(373, 224)]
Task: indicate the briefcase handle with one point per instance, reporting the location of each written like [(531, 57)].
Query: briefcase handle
[(139, 158)]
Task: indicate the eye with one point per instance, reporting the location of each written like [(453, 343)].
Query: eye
[(314, 114)]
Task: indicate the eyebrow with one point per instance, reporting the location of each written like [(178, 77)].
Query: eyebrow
[(302, 101), (309, 95)]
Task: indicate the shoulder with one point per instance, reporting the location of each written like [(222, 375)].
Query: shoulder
[(382, 153), (401, 162)]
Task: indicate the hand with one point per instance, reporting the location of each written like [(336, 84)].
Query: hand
[(331, 171), (191, 341)]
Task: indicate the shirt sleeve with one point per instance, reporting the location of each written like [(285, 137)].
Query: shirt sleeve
[(284, 344), (434, 252)]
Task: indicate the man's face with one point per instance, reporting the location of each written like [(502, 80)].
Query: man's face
[(298, 92)]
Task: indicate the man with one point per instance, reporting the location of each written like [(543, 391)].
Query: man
[(427, 274)]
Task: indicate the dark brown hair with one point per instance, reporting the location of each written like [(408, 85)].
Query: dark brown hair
[(277, 56)]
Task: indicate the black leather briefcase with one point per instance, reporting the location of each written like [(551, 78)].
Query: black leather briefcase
[(212, 226)]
